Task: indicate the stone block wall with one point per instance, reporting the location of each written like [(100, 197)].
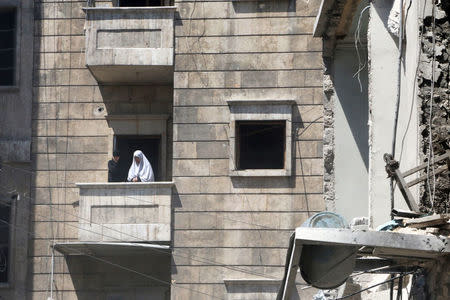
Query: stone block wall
[(15, 145), (71, 139), (236, 229)]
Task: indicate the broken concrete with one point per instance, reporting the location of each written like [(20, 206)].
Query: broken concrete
[(435, 46)]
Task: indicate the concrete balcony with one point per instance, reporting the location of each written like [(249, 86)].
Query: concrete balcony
[(130, 44), (125, 212)]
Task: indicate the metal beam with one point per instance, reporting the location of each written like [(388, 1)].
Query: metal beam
[(387, 243), (291, 272)]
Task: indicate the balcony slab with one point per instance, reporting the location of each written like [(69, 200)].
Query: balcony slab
[(129, 44), (125, 212)]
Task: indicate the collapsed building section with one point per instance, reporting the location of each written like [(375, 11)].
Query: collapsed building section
[(385, 96), (434, 93)]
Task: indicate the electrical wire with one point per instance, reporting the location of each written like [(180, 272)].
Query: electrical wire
[(430, 154), (397, 102), (112, 263), (203, 212), (51, 278), (193, 258), (375, 285), (358, 40), (416, 74)]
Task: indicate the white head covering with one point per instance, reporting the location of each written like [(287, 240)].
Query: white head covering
[(143, 170)]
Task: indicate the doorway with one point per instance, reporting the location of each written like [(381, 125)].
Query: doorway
[(149, 145)]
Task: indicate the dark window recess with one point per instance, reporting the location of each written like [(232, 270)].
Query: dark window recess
[(260, 145), (5, 216), (149, 145), (137, 3), (7, 46)]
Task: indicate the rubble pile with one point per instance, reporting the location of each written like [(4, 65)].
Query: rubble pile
[(440, 126), (434, 224)]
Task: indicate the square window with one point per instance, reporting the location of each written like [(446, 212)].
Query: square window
[(260, 138), (260, 145), (7, 46)]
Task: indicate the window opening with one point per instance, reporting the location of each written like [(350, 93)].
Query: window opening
[(5, 217), (7, 46), (260, 145), (149, 145), (137, 3)]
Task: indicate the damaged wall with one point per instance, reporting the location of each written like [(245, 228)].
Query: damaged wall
[(382, 86), (383, 90), (440, 125)]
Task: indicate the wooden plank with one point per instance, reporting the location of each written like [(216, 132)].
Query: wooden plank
[(423, 177), (424, 165), (405, 213), (427, 221), (412, 205)]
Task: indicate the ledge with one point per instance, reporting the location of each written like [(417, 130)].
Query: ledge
[(137, 117), (121, 185), (261, 102), (9, 88), (252, 281), (130, 9), (260, 173)]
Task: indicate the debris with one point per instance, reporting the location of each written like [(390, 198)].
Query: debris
[(405, 213), (432, 230), (389, 226), (361, 223), (427, 221)]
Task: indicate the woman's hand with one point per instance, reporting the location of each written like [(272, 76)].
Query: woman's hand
[(135, 179)]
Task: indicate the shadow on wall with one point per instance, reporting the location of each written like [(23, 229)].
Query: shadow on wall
[(93, 279), (383, 9), (257, 291), (136, 99), (264, 6)]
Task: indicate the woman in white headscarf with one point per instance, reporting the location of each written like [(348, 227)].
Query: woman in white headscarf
[(140, 169)]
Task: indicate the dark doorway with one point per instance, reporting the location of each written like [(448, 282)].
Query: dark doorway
[(5, 218), (149, 145), (260, 145)]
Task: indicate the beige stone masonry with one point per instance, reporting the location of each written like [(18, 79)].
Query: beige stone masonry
[(137, 212), (125, 44)]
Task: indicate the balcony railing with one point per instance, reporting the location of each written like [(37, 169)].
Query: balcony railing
[(130, 44), (125, 212)]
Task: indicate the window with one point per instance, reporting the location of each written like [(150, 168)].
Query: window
[(260, 137), (137, 3), (260, 145), (7, 46), (149, 145), (5, 216)]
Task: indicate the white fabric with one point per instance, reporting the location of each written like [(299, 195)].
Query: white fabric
[(143, 170)]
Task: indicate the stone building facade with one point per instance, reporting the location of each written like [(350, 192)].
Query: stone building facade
[(190, 82), (16, 57), (237, 61)]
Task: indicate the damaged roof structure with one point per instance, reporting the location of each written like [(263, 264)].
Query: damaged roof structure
[(386, 95)]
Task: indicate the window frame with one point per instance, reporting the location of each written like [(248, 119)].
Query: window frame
[(12, 5), (261, 111)]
